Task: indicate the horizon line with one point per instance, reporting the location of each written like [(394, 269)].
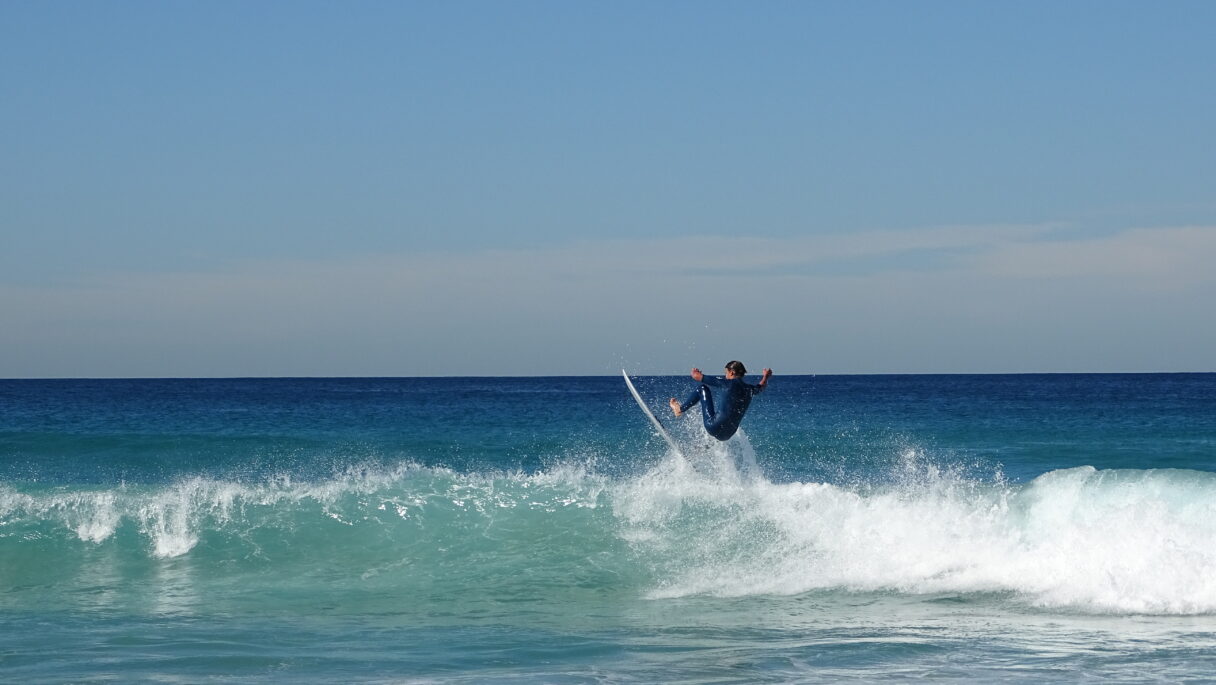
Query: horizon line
[(608, 375)]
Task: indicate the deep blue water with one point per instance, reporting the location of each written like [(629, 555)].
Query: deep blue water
[(535, 529)]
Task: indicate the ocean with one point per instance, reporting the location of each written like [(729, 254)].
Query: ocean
[(499, 530)]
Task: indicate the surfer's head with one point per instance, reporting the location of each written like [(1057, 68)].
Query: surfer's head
[(735, 369)]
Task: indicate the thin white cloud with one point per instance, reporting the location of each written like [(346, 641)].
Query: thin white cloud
[(1166, 256), (751, 254), (1008, 298)]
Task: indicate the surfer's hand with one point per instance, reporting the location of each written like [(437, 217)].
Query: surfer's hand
[(767, 373), (697, 375), (675, 406)]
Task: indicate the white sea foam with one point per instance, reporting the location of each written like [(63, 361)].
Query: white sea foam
[(707, 523), (1081, 539), (173, 518)]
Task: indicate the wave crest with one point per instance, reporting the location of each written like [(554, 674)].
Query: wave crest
[(1131, 541), (1077, 539)]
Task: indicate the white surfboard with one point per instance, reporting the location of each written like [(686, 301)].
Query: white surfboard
[(658, 425)]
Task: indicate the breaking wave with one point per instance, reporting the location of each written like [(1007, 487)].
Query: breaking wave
[(707, 524)]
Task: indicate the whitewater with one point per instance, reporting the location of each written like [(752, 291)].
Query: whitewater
[(1119, 541)]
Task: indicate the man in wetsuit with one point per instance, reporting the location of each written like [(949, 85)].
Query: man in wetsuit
[(722, 419)]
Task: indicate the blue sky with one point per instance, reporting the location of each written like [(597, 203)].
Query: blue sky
[(264, 189)]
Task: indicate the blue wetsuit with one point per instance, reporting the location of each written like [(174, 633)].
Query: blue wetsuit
[(723, 419)]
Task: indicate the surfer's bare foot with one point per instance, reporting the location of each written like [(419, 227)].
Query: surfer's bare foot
[(675, 406)]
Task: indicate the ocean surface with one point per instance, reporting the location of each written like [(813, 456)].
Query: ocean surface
[(415, 530)]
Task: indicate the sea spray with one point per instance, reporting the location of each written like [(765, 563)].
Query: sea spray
[(1077, 539), (705, 523), (419, 534)]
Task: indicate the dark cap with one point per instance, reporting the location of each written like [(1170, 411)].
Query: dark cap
[(737, 368)]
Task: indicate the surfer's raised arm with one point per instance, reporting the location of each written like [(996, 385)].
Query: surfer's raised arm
[(764, 380)]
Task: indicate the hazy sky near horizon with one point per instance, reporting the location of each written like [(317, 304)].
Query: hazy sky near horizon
[(489, 188)]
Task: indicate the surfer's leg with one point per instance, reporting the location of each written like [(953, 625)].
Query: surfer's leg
[(679, 409), (713, 422), (707, 403), (694, 398)]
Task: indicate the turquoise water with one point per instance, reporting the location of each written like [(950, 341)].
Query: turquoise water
[(535, 530)]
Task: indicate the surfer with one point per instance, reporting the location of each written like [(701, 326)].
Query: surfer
[(723, 419)]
